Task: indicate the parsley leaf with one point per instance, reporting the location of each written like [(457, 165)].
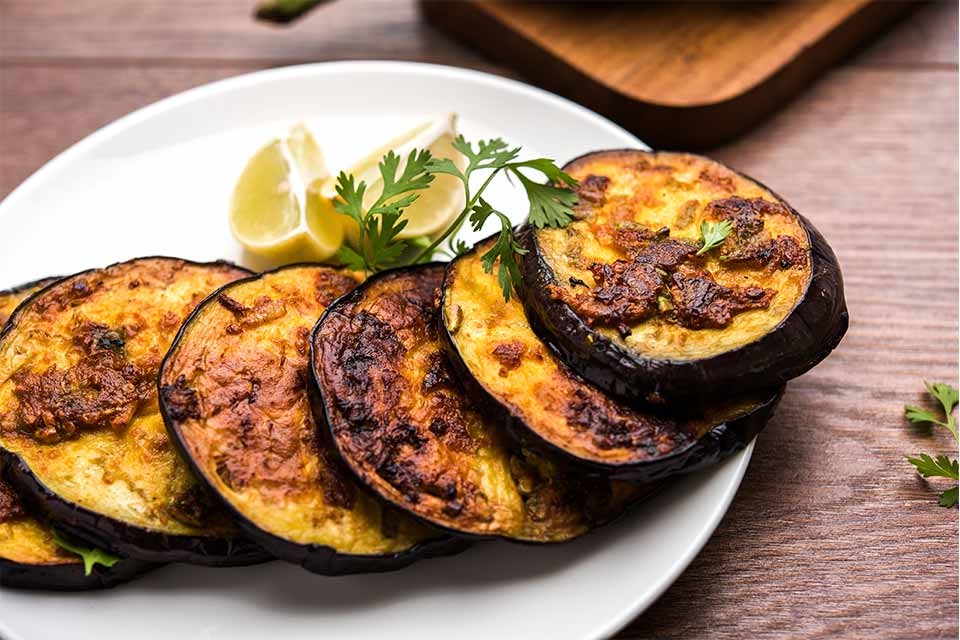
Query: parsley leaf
[(460, 248), (713, 233), (917, 415), (949, 497), (91, 555), (946, 394), (551, 204), (377, 245), (941, 466), (351, 259), (504, 250)]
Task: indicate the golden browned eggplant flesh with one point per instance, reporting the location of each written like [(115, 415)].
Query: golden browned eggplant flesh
[(407, 429), (234, 392), (682, 279), (79, 422), (543, 399)]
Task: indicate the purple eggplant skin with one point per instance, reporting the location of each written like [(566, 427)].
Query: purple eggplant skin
[(39, 283), (70, 577), (319, 559), (802, 340), (718, 443), (119, 538), (124, 539)]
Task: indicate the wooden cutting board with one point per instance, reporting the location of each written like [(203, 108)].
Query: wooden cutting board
[(679, 75)]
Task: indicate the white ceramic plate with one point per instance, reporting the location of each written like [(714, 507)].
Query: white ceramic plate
[(158, 182)]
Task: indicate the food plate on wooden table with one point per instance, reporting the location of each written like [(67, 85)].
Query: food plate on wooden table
[(158, 182)]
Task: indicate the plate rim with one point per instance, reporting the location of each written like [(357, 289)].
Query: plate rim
[(639, 603)]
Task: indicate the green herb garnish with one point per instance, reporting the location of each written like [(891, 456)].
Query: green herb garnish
[(91, 556), (379, 225), (712, 234), (941, 466), (551, 205)]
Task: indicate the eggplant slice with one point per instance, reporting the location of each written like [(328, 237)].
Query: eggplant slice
[(623, 294), (234, 394), (80, 430), (549, 406), (29, 556), (410, 433)]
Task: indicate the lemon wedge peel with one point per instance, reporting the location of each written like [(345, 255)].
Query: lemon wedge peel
[(273, 212)]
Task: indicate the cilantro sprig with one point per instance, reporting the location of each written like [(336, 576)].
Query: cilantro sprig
[(941, 466), (550, 205), (712, 234), (377, 246), (90, 555)]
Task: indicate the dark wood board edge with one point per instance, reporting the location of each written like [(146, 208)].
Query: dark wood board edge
[(661, 126)]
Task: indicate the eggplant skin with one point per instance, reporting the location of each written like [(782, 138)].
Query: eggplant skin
[(405, 427), (69, 576), (808, 333), (11, 298), (215, 543), (548, 406), (232, 395), (30, 558), (124, 539)]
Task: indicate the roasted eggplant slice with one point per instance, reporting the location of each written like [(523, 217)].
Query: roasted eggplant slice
[(551, 407), (80, 428), (641, 306), (29, 556), (10, 298), (403, 425), (233, 392)]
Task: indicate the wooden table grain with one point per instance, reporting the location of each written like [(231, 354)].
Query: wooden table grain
[(831, 534)]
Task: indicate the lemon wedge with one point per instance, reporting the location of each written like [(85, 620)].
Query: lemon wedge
[(274, 214), (437, 205)]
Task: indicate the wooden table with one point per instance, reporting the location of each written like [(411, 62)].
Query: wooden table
[(831, 534)]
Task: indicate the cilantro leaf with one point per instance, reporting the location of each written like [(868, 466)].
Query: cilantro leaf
[(712, 234), (504, 250), (91, 555), (380, 223), (351, 259), (949, 497), (381, 234), (414, 177), (444, 165), (490, 154), (351, 195), (919, 416), (378, 246), (550, 169), (939, 467), (947, 395), (550, 206)]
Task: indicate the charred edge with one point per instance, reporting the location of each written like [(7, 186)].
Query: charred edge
[(319, 559)]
